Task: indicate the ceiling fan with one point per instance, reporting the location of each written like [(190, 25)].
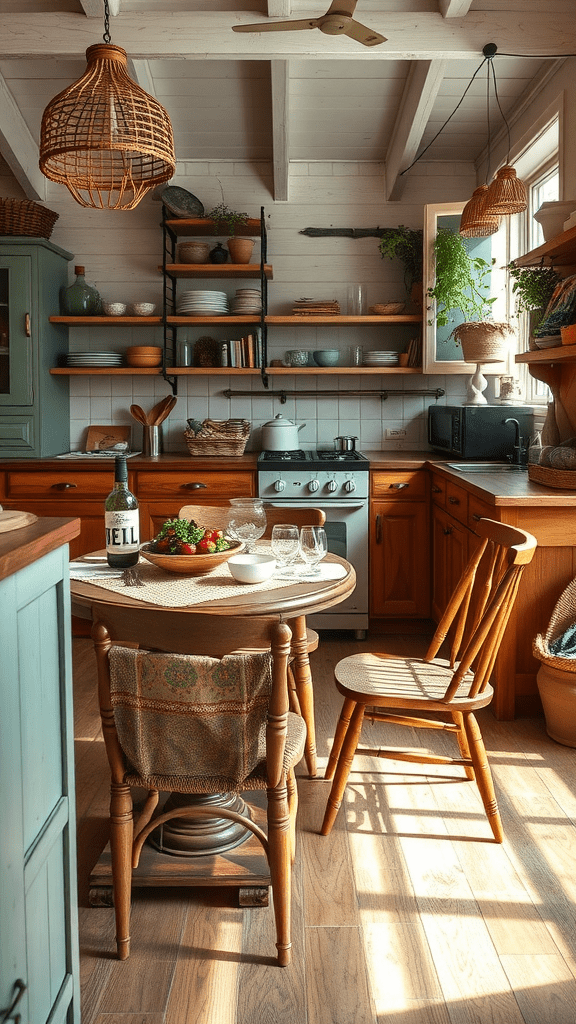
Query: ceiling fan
[(337, 21)]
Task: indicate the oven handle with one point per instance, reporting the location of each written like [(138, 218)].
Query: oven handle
[(333, 504)]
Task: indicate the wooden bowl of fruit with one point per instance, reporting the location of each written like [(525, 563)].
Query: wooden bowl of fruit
[(187, 549)]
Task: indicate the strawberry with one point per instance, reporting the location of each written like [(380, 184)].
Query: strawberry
[(206, 546), (188, 549)]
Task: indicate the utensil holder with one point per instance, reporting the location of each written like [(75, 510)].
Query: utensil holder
[(152, 440)]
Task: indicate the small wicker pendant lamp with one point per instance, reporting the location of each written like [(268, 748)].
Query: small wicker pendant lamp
[(475, 222), (506, 194), (104, 137)]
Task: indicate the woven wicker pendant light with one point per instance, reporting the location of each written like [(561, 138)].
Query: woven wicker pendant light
[(104, 137), (506, 194), (475, 222)]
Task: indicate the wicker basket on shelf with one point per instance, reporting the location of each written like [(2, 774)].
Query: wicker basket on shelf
[(218, 437), (564, 479), (24, 217)]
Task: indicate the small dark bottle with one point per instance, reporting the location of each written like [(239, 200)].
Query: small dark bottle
[(218, 254), (122, 520)]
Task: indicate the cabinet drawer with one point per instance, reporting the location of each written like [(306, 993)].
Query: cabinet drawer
[(66, 483), (193, 485), (457, 502), (438, 489), (478, 509), (399, 485)]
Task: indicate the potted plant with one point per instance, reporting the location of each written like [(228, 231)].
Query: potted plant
[(229, 221), (462, 289), (406, 244), (533, 288)]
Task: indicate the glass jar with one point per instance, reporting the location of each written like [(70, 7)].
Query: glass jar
[(80, 299)]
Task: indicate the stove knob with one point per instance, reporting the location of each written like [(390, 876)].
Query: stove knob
[(314, 485), (279, 485), (350, 486), (332, 485)]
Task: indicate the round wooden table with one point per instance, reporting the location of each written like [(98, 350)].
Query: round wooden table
[(290, 604)]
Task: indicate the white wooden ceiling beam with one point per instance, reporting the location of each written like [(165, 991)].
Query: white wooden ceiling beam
[(454, 8), (280, 81), (279, 8), (95, 8), (422, 87), (139, 71), (209, 36), (18, 147)]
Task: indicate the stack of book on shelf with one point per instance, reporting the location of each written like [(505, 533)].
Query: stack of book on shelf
[(243, 352), (415, 352), (316, 307)]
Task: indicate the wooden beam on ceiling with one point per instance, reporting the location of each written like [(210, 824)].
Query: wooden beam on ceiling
[(209, 36), (421, 89), (279, 8), (280, 80), (95, 8), (18, 147), (454, 8)]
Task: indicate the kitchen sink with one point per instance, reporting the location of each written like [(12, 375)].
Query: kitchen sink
[(486, 467)]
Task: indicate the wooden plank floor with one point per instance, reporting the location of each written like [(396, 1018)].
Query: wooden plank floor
[(407, 913)]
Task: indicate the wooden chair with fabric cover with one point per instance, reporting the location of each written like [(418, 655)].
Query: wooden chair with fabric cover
[(197, 723), (433, 692)]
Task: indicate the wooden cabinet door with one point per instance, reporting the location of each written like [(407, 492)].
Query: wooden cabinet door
[(399, 560), (449, 558)]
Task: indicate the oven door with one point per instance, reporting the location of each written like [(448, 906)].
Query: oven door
[(347, 532)]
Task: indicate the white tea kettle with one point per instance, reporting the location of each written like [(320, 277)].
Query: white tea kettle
[(280, 435)]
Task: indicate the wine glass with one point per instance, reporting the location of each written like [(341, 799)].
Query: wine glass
[(313, 547), (247, 520), (285, 544)]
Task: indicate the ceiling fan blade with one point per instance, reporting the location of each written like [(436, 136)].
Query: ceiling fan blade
[(277, 26), (364, 35), (342, 7)]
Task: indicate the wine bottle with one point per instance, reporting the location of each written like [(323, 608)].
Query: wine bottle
[(121, 520)]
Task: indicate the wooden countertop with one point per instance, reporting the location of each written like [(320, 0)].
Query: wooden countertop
[(19, 548)]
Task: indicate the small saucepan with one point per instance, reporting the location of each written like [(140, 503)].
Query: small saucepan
[(345, 444)]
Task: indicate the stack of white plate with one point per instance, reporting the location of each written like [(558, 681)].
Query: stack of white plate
[(94, 359), (381, 358), (201, 302), (246, 302)]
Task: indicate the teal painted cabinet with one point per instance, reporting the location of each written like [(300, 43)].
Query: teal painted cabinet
[(38, 901), (34, 406)]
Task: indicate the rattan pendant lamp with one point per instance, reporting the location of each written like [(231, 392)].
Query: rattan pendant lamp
[(506, 194), (475, 222), (104, 137)]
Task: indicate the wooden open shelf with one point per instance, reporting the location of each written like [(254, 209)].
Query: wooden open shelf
[(562, 354), (559, 252), (215, 270), (108, 321), (204, 226)]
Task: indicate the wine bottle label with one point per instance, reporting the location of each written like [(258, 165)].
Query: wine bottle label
[(122, 531)]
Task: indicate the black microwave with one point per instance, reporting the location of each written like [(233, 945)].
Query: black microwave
[(477, 431)]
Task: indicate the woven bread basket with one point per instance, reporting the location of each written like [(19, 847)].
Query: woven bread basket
[(564, 479), (563, 616), (24, 217), (387, 308), (218, 437)]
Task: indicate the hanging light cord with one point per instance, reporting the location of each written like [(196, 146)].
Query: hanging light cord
[(107, 37)]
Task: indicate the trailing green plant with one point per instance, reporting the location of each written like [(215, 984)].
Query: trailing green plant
[(226, 219), (533, 286), (462, 281), (407, 245)]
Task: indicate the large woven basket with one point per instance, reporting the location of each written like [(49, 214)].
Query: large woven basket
[(563, 616), (218, 437), (24, 217), (564, 479)]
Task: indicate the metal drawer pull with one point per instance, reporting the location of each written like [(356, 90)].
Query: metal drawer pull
[(378, 529), (476, 517), (7, 1014), (63, 486), (397, 487), (192, 487), (453, 501)]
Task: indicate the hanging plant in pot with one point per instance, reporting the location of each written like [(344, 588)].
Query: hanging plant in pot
[(462, 290), (533, 288), (406, 244), (229, 221)]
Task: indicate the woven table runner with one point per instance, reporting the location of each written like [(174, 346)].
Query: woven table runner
[(172, 591)]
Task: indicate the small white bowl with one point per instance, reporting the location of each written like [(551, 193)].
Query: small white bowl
[(142, 308), (251, 568), (114, 308)]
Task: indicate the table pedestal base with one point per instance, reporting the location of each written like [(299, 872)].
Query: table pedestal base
[(187, 837)]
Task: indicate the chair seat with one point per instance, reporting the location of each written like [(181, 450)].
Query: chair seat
[(404, 682), (293, 752)]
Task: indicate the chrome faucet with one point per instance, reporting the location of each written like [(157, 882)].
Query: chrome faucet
[(518, 457)]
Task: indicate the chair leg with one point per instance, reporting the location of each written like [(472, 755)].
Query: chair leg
[(341, 730), (279, 862), (458, 720), (483, 775), (292, 790), (121, 833), (293, 702), (343, 767)]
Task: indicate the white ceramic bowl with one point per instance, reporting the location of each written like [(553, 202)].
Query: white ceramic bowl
[(252, 568), (142, 308), (114, 308), (326, 356)]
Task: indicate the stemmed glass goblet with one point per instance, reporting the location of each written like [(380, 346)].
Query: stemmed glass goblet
[(247, 520), (285, 544), (313, 547)]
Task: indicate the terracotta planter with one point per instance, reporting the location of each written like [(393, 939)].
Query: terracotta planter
[(484, 341), (557, 689), (240, 249)]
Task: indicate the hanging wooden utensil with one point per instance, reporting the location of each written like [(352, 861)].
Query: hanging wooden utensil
[(169, 404), (138, 413)]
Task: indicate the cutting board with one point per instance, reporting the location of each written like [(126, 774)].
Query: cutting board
[(13, 520)]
